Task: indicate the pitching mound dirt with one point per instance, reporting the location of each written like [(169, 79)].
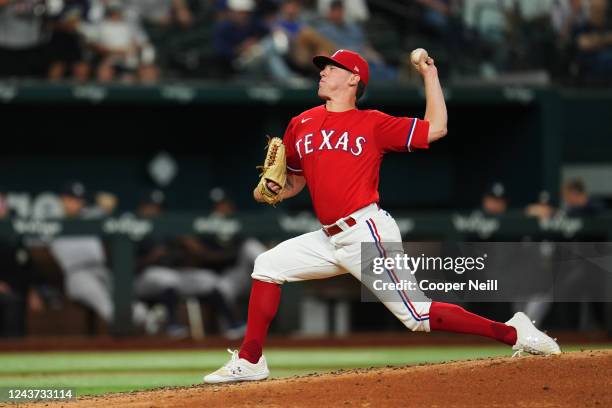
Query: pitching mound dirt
[(570, 380)]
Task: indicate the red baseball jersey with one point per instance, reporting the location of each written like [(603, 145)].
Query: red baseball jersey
[(339, 154)]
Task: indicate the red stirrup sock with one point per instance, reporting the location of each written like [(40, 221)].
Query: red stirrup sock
[(453, 318), (263, 305)]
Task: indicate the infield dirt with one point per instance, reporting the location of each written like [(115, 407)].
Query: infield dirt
[(575, 379)]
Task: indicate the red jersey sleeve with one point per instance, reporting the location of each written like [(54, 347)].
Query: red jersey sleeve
[(293, 159), (400, 134)]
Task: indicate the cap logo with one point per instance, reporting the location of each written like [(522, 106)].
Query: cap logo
[(337, 52), (356, 68)]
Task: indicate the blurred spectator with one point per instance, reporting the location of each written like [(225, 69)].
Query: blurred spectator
[(243, 44), (542, 209), (350, 36), (566, 16), (4, 209), (87, 279), (22, 39), (151, 205), (18, 291), (167, 272), (235, 35), (170, 26), (461, 49), (289, 18), (267, 9), (66, 45), (158, 283), (106, 202), (343, 33), (304, 41), (18, 281), (235, 278), (438, 15), (73, 198), (138, 39), (356, 10), (83, 261), (565, 19), (122, 47), (593, 43), (576, 202), (160, 13), (232, 256), (494, 201)]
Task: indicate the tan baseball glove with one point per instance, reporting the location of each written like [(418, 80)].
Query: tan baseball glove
[(274, 169)]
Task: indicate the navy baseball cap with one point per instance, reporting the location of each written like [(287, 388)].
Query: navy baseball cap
[(346, 59), (74, 189), (496, 190), (217, 195), (156, 197)]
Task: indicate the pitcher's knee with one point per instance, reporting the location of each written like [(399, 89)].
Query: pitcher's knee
[(418, 319), (418, 325), (265, 269)]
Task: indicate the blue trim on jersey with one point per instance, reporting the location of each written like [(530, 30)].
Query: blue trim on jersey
[(411, 133), (418, 319)]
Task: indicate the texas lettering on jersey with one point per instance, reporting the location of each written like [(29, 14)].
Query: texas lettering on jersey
[(345, 142), (339, 154)]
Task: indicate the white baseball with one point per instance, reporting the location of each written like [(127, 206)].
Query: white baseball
[(418, 56)]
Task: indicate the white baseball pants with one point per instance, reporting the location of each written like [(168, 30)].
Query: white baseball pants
[(316, 256)]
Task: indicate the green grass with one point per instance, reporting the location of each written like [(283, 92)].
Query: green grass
[(100, 372)]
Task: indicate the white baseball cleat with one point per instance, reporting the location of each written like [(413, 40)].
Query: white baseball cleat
[(529, 339), (239, 369)]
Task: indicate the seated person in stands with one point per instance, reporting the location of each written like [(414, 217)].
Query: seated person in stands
[(494, 201), (356, 10), (122, 47), (438, 14), (22, 40), (160, 13), (593, 43), (66, 43), (576, 202), (304, 41), (243, 45), (351, 36), (167, 23), (170, 268)]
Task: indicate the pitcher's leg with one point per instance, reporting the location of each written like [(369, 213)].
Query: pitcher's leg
[(414, 314), (309, 256), (384, 238), (423, 315), (306, 257), (452, 318), (263, 304)]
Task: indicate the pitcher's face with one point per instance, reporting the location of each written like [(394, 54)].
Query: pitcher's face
[(335, 80)]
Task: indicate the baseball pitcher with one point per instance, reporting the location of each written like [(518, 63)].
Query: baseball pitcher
[(337, 149)]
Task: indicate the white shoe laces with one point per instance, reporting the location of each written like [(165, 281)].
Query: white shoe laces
[(233, 365)]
